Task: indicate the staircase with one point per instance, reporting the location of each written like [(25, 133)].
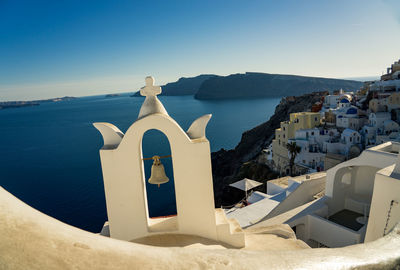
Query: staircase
[(229, 230)]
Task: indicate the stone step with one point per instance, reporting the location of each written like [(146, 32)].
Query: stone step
[(234, 226)]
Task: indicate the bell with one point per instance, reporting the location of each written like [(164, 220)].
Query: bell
[(157, 173)]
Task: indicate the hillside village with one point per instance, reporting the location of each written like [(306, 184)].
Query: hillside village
[(339, 127), (342, 195)]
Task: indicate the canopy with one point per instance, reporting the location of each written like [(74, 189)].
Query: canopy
[(246, 184)]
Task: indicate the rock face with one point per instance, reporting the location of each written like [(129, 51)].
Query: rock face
[(232, 165), (260, 85), (184, 86)]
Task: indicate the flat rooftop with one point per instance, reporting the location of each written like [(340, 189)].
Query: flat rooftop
[(284, 181), (347, 219)]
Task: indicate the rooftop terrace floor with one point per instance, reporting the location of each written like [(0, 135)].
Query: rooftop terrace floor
[(347, 219)]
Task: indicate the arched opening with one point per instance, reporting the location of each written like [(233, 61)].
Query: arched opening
[(161, 200)]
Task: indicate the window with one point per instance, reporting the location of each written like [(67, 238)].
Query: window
[(312, 133), (316, 119), (351, 139)]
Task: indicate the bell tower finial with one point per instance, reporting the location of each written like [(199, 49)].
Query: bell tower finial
[(150, 89), (151, 104)]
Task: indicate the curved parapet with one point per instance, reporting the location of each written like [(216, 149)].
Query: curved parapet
[(112, 136), (198, 128), (32, 240)]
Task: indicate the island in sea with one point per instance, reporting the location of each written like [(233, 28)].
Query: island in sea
[(253, 85), (112, 95), (20, 104)]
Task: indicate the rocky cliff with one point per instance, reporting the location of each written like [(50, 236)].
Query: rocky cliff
[(261, 85), (232, 165)]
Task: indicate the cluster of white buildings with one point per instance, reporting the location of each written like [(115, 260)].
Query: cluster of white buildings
[(360, 202), (349, 123)]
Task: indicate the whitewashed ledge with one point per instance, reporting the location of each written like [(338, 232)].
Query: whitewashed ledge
[(32, 240)]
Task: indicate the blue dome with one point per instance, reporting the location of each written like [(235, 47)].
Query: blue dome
[(340, 116), (344, 100), (351, 111)]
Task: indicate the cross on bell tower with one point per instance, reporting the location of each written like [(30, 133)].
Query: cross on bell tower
[(151, 104), (150, 89)]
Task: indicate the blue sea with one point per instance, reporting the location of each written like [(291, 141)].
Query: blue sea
[(49, 154)]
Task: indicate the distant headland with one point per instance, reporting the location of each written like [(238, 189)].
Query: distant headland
[(253, 85), (20, 104)]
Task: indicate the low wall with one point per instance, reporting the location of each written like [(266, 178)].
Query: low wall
[(331, 234), (32, 240)]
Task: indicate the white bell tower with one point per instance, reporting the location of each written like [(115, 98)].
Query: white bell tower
[(124, 178)]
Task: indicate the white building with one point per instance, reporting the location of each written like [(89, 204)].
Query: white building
[(344, 115), (311, 141), (361, 203), (369, 134), (376, 127), (358, 122), (389, 132), (348, 144), (390, 126), (283, 194), (377, 119), (394, 137), (331, 101), (389, 85), (344, 101), (350, 137)]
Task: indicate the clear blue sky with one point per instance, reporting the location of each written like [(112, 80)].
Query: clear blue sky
[(56, 48)]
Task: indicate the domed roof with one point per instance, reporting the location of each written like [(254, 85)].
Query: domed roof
[(344, 100)]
